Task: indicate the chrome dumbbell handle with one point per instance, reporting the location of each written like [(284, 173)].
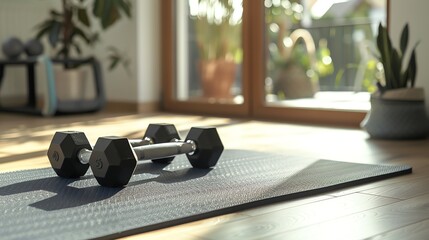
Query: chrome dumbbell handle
[(162, 150), (84, 154)]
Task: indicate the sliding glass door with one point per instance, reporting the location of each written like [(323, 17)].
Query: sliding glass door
[(298, 60), (207, 56)]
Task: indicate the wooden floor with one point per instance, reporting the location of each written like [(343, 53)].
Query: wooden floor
[(397, 208)]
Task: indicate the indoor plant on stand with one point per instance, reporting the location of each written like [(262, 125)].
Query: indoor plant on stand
[(218, 36), (397, 108), (66, 29)]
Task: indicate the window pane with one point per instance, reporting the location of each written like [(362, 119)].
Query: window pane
[(319, 52), (209, 51)]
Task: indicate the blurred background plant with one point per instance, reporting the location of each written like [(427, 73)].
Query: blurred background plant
[(218, 25), (218, 28), (292, 46), (397, 73), (73, 25)]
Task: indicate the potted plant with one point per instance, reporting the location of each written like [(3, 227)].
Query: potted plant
[(67, 29), (292, 64), (397, 108), (218, 37), (296, 63)]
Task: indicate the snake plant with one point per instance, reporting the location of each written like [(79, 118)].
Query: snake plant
[(396, 73)]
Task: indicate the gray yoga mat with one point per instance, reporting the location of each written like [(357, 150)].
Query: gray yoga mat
[(36, 204)]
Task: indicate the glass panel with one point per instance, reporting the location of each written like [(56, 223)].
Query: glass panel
[(319, 52), (209, 51)]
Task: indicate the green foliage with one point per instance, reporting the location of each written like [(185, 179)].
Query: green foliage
[(67, 29), (396, 74), (218, 35)]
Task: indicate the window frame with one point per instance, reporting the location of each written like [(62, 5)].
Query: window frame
[(253, 75)]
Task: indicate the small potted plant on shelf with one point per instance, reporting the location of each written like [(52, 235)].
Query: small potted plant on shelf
[(397, 108), (71, 26), (218, 37)]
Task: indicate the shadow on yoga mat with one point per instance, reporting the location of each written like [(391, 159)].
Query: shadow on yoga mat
[(36, 204)]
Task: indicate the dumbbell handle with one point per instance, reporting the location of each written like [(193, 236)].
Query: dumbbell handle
[(84, 154), (162, 150)]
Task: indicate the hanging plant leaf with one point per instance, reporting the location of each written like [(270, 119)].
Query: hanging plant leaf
[(111, 14), (125, 6), (54, 33), (82, 15), (114, 61), (77, 48), (98, 8), (80, 33), (44, 28)]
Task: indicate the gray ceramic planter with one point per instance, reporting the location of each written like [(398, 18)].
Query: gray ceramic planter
[(396, 119)]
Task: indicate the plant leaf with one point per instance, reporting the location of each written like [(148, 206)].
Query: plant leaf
[(108, 11), (62, 51), (77, 48), (125, 6), (114, 61), (82, 15), (54, 33), (97, 9), (404, 39), (396, 69), (44, 28), (110, 14), (80, 33), (412, 68), (404, 78), (385, 47)]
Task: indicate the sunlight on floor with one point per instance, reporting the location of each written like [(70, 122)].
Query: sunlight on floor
[(328, 100), (31, 138)]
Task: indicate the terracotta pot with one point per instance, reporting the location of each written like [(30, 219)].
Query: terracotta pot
[(294, 83), (217, 77)]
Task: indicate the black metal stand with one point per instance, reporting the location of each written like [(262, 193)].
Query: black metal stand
[(62, 107)]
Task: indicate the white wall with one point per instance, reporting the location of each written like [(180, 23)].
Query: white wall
[(18, 19), (148, 50), (120, 85), (415, 12)]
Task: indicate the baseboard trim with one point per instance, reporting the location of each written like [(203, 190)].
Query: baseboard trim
[(149, 107)]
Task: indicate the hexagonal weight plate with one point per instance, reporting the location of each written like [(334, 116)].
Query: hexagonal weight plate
[(63, 153), (113, 161), (209, 147), (162, 133)]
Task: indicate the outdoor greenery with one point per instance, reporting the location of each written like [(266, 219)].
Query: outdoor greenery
[(218, 28)]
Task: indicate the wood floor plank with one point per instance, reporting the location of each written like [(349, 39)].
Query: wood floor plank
[(365, 224), (189, 230), (284, 205), (415, 231), (419, 172), (262, 226), (403, 189)]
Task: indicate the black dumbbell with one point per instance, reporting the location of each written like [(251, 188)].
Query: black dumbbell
[(70, 151), (113, 160)]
